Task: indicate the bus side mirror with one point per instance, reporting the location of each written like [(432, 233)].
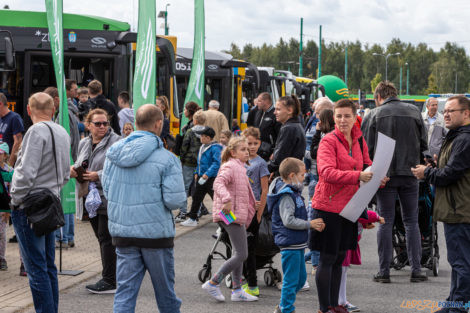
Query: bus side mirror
[(7, 52)]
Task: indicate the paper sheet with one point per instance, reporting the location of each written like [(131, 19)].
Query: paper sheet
[(382, 159)]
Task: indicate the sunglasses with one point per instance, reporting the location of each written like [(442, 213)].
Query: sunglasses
[(99, 124)]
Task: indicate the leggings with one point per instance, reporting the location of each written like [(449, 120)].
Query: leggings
[(237, 235), (3, 239), (328, 279), (342, 289)]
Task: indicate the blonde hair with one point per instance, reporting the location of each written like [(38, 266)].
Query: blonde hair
[(289, 166), (94, 112), (253, 132), (200, 117), (164, 102), (232, 146)]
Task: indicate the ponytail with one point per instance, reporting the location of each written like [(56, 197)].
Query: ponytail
[(231, 146), (291, 102)]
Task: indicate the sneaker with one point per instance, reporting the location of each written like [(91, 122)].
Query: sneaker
[(382, 278), (340, 309), (23, 270), (240, 295), (306, 287), (351, 308), (417, 277), (277, 309), (254, 291), (101, 287), (3, 265), (71, 244), (181, 217), (202, 211), (189, 223), (213, 291), (314, 270), (65, 245)]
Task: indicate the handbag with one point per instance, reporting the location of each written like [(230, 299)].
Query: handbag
[(265, 245), (42, 207)]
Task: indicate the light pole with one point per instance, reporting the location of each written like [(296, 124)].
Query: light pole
[(407, 78), (386, 60), (301, 61), (165, 15)]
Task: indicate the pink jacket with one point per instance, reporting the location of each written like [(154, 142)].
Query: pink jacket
[(232, 184), (338, 172)]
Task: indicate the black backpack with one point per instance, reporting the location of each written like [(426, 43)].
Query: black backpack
[(4, 196)]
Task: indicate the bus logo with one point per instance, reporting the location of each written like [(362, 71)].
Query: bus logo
[(72, 37), (212, 67), (98, 40), (343, 92)]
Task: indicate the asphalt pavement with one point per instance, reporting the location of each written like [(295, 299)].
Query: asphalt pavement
[(192, 249)]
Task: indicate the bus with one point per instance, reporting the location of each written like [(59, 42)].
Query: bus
[(94, 48), (369, 103)]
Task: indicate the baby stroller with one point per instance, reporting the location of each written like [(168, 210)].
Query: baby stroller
[(263, 259), (427, 228)]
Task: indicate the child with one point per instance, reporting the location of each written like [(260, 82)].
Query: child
[(233, 193), (258, 176), (208, 163), (127, 129), (235, 128), (224, 137), (83, 103), (188, 156), (7, 173), (354, 257), (290, 228)]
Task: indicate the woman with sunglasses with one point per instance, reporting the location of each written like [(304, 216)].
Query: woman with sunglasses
[(87, 169)]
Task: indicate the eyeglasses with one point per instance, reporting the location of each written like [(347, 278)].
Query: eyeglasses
[(450, 111), (99, 124)]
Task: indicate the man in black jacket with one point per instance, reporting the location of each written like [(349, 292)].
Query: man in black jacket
[(269, 128), (97, 100), (402, 122), (451, 179)]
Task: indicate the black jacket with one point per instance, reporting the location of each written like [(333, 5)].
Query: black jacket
[(269, 129), (291, 142), (250, 121), (100, 102), (402, 122)]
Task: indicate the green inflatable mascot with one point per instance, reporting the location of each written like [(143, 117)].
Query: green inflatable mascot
[(335, 88)]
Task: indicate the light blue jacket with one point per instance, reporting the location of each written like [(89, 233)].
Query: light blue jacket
[(143, 182)]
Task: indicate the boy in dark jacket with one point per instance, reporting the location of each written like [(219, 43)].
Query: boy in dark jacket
[(290, 228), (208, 164)]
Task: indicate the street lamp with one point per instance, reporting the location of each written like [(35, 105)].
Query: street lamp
[(386, 61), (407, 78), (164, 14)]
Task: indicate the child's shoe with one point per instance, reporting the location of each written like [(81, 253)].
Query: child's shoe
[(240, 295), (189, 223), (3, 265), (306, 287), (340, 309), (23, 270), (214, 291), (351, 308), (254, 291)]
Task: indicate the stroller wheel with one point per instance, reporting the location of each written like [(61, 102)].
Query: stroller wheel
[(269, 278), (204, 275), (278, 276), (228, 281), (435, 266)]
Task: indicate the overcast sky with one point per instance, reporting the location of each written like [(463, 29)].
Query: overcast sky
[(258, 21)]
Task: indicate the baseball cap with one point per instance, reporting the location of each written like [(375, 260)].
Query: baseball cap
[(4, 148), (207, 131)]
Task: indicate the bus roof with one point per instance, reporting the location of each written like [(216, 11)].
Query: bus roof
[(14, 18), (402, 97)]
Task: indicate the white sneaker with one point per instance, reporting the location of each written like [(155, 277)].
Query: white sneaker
[(241, 295), (213, 291), (189, 223), (306, 287)]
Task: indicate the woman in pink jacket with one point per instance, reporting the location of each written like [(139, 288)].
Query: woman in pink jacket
[(340, 161), (232, 192)]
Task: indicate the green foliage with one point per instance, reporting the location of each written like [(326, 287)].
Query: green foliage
[(432, 86), (446, 65), (375, 81)]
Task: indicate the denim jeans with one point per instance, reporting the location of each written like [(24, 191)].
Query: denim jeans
[(188, 176), (406, 188), (295, 275), (132, 263), (38, 257), (314, 256), (67, 230), (458, 255)]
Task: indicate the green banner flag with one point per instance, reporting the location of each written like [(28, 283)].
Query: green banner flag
[(56, 35), (195, 91), (146, 56)]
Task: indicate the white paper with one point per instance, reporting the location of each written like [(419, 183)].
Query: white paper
[(382, 159)]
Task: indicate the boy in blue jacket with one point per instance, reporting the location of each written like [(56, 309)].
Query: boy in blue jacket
[(290, 228), (208, 164)]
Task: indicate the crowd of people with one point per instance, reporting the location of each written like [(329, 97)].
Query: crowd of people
[(134, 184)]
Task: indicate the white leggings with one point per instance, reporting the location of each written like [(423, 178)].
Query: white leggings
[(342, 300)]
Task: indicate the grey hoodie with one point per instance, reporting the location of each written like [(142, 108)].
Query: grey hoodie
[(126, 115)]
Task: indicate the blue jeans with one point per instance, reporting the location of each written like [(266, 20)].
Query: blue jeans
[(132, 262), (67, 230), (458, 255), (295, 275), (38, 257), (188, 176), (406, 188), (314, 256)]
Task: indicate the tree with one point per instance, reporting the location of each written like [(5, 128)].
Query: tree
[(375, 81), (432, 86)]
